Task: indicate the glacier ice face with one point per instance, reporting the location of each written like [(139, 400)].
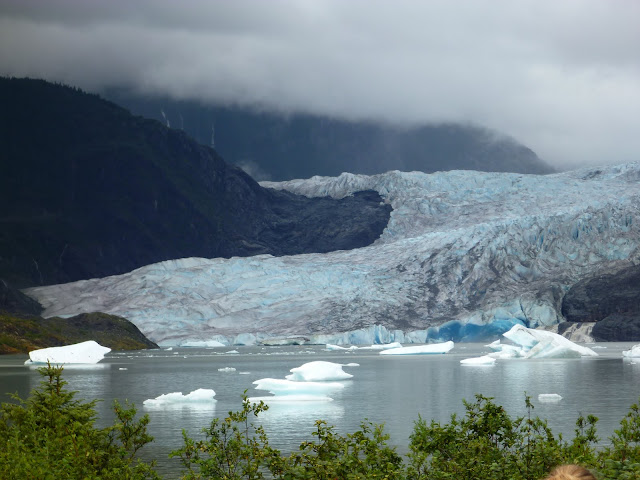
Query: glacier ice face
[(433, 349), (465, 256), (199, 397), (319, 371), (84, 352)]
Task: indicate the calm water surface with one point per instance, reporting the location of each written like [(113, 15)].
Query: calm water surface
[(392, 390)]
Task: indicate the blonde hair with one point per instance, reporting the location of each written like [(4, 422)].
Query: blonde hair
[(570, 472)]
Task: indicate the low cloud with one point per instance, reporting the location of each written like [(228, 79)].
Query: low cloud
[(561, 77)]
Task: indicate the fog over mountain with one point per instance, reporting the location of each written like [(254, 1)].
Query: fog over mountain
[(275, 146), (562, 78)]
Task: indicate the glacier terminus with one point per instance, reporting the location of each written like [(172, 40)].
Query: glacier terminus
[(465, 256)]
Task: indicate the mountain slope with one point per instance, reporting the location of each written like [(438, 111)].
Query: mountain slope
[(272, 146), (465, 256), (88, 190)]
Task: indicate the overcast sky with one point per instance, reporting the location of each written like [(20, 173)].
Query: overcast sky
[(561, 76)]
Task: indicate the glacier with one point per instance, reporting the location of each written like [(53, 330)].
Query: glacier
[(465, 256)]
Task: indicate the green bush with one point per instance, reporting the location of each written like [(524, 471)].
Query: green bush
[(52, 435)]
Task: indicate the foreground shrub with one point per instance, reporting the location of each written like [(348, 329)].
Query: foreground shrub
[(51, 435)]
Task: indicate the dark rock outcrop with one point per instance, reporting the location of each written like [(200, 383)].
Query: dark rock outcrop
[(14, 301), (88, 190), (611, 300), (617, 328)]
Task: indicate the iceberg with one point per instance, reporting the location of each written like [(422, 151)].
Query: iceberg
[(436, 348), (549, 397), (634, 352), (279, 386), (331, 347), (199, 396), (227, 369), (320, 371), (544, 344), (84, 352), (484, 360)]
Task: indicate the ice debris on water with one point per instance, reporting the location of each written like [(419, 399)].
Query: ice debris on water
[(312, 381), (549, 397), (84, 352), (432, 349), (320, 371), (227, 369), (484, 360), (543, 344), (199, 396), (634, 352)]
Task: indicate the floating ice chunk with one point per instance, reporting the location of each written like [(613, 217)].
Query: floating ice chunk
[(383, 346), (201, 395), (633, 353), (544, 344), (434, 348), (484, 360), (319, 371), (549, 397), (84, 352), (123, 368), (203, 344), (508, 351), (232, 351), (168, 349), (227, 369), (279, 386), (495, 346), (332, 347), (292, 399)]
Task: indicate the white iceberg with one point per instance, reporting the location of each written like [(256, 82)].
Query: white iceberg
[(319, 371), (279, 386), (484, 360), (633, 353), (84, 352), (544, 344), (435, 348), (549, 397), (331, 347), (383, 346), (227, 369), (199, 396)]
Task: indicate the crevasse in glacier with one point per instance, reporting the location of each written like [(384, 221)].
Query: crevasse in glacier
[(465, 256)]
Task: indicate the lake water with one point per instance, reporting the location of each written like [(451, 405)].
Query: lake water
[(392, 390)]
